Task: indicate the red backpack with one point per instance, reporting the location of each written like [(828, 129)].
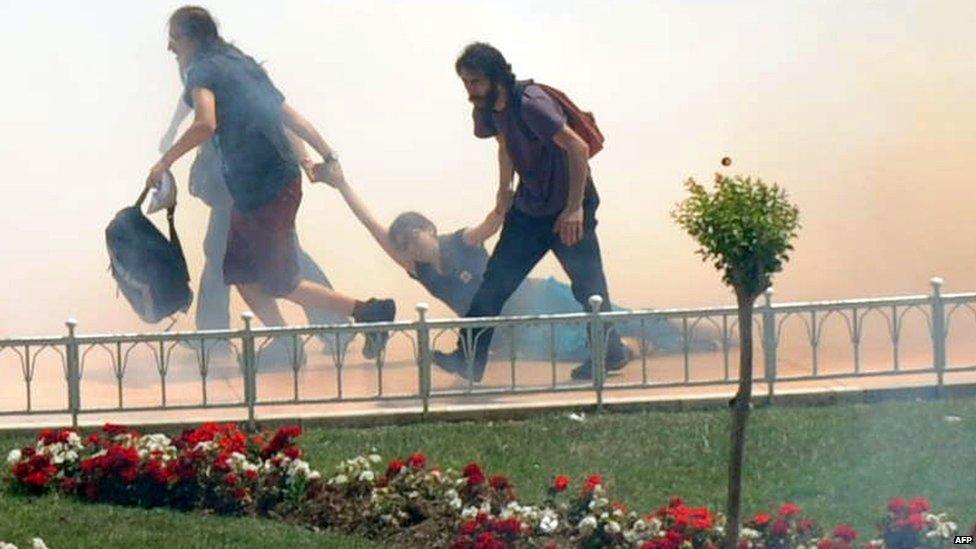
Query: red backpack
[(580, 121)]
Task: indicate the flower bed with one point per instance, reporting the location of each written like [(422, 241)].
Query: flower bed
[(219, 468)]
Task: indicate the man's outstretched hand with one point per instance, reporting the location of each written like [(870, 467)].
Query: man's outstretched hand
[(328, 172), (569, 226)]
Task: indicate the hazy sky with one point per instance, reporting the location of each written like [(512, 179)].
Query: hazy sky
[(862, 110)]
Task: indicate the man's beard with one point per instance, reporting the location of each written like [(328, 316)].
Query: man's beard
[(488, 101)]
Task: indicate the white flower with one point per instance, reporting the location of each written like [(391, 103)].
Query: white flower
[(469, 513), (450, 494), (750, 534), (13, 458), (339, 479), (314, 475), (38, 543), (5, 545), (640, 525), (205, 446), (367, 476), (612, 527), (456, 503), (375, 458), (549, 522), (588, 524)]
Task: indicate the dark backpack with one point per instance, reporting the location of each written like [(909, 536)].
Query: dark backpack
[(149, 269), (580, 121)]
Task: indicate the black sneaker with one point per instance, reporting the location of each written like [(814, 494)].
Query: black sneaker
[(375, 310), (455, 363), (614, 364)]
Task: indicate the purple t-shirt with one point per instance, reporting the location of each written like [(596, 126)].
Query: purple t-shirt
[(542, 165)]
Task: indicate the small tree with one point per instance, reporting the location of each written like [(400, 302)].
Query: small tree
[(745, 227)]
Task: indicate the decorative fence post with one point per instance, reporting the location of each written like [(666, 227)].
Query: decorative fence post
[(769, 344), (938, 333), (597, 354), (423, 356), (73, 372), (249, 369)]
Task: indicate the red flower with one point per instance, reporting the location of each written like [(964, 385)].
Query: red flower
[(251, 474), (231, 479), (804, 526), (281, 440), (37, 479), (825, 544), (916, 522), (845, 532), (113, 429), (781, 527), (920, 505), (28, 451), (509, 527), (474, 474), (69, 485), (499, 482), (469, 528), (788, 510), (676, 502), (240, 494), (417, 460), (394, 468), (898, 506), (293, 452), (592, 482), (761, 520), (560, 483)]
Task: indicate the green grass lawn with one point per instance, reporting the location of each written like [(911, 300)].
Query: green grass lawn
[(839, 463)]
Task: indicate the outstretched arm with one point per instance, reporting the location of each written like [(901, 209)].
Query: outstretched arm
[(476, 235), (329, 170), (375, 228)]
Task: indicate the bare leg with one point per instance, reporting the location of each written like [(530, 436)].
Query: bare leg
[(317, 296), (262, 304)]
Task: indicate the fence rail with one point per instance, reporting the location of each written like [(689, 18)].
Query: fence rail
[(266, 367)]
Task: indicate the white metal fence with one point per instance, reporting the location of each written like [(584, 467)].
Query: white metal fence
[(246, 352)]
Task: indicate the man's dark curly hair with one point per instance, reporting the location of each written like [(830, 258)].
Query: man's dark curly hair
[(487, 60)]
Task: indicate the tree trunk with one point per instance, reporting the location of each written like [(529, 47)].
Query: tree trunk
[(740, 413)]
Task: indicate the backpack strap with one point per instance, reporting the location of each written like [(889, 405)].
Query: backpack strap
[(172, 228), (518, 89)]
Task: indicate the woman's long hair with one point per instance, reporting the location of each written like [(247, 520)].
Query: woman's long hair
[(197, 24)]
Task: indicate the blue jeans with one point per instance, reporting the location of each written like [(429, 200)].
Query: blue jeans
[(524, 240)]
